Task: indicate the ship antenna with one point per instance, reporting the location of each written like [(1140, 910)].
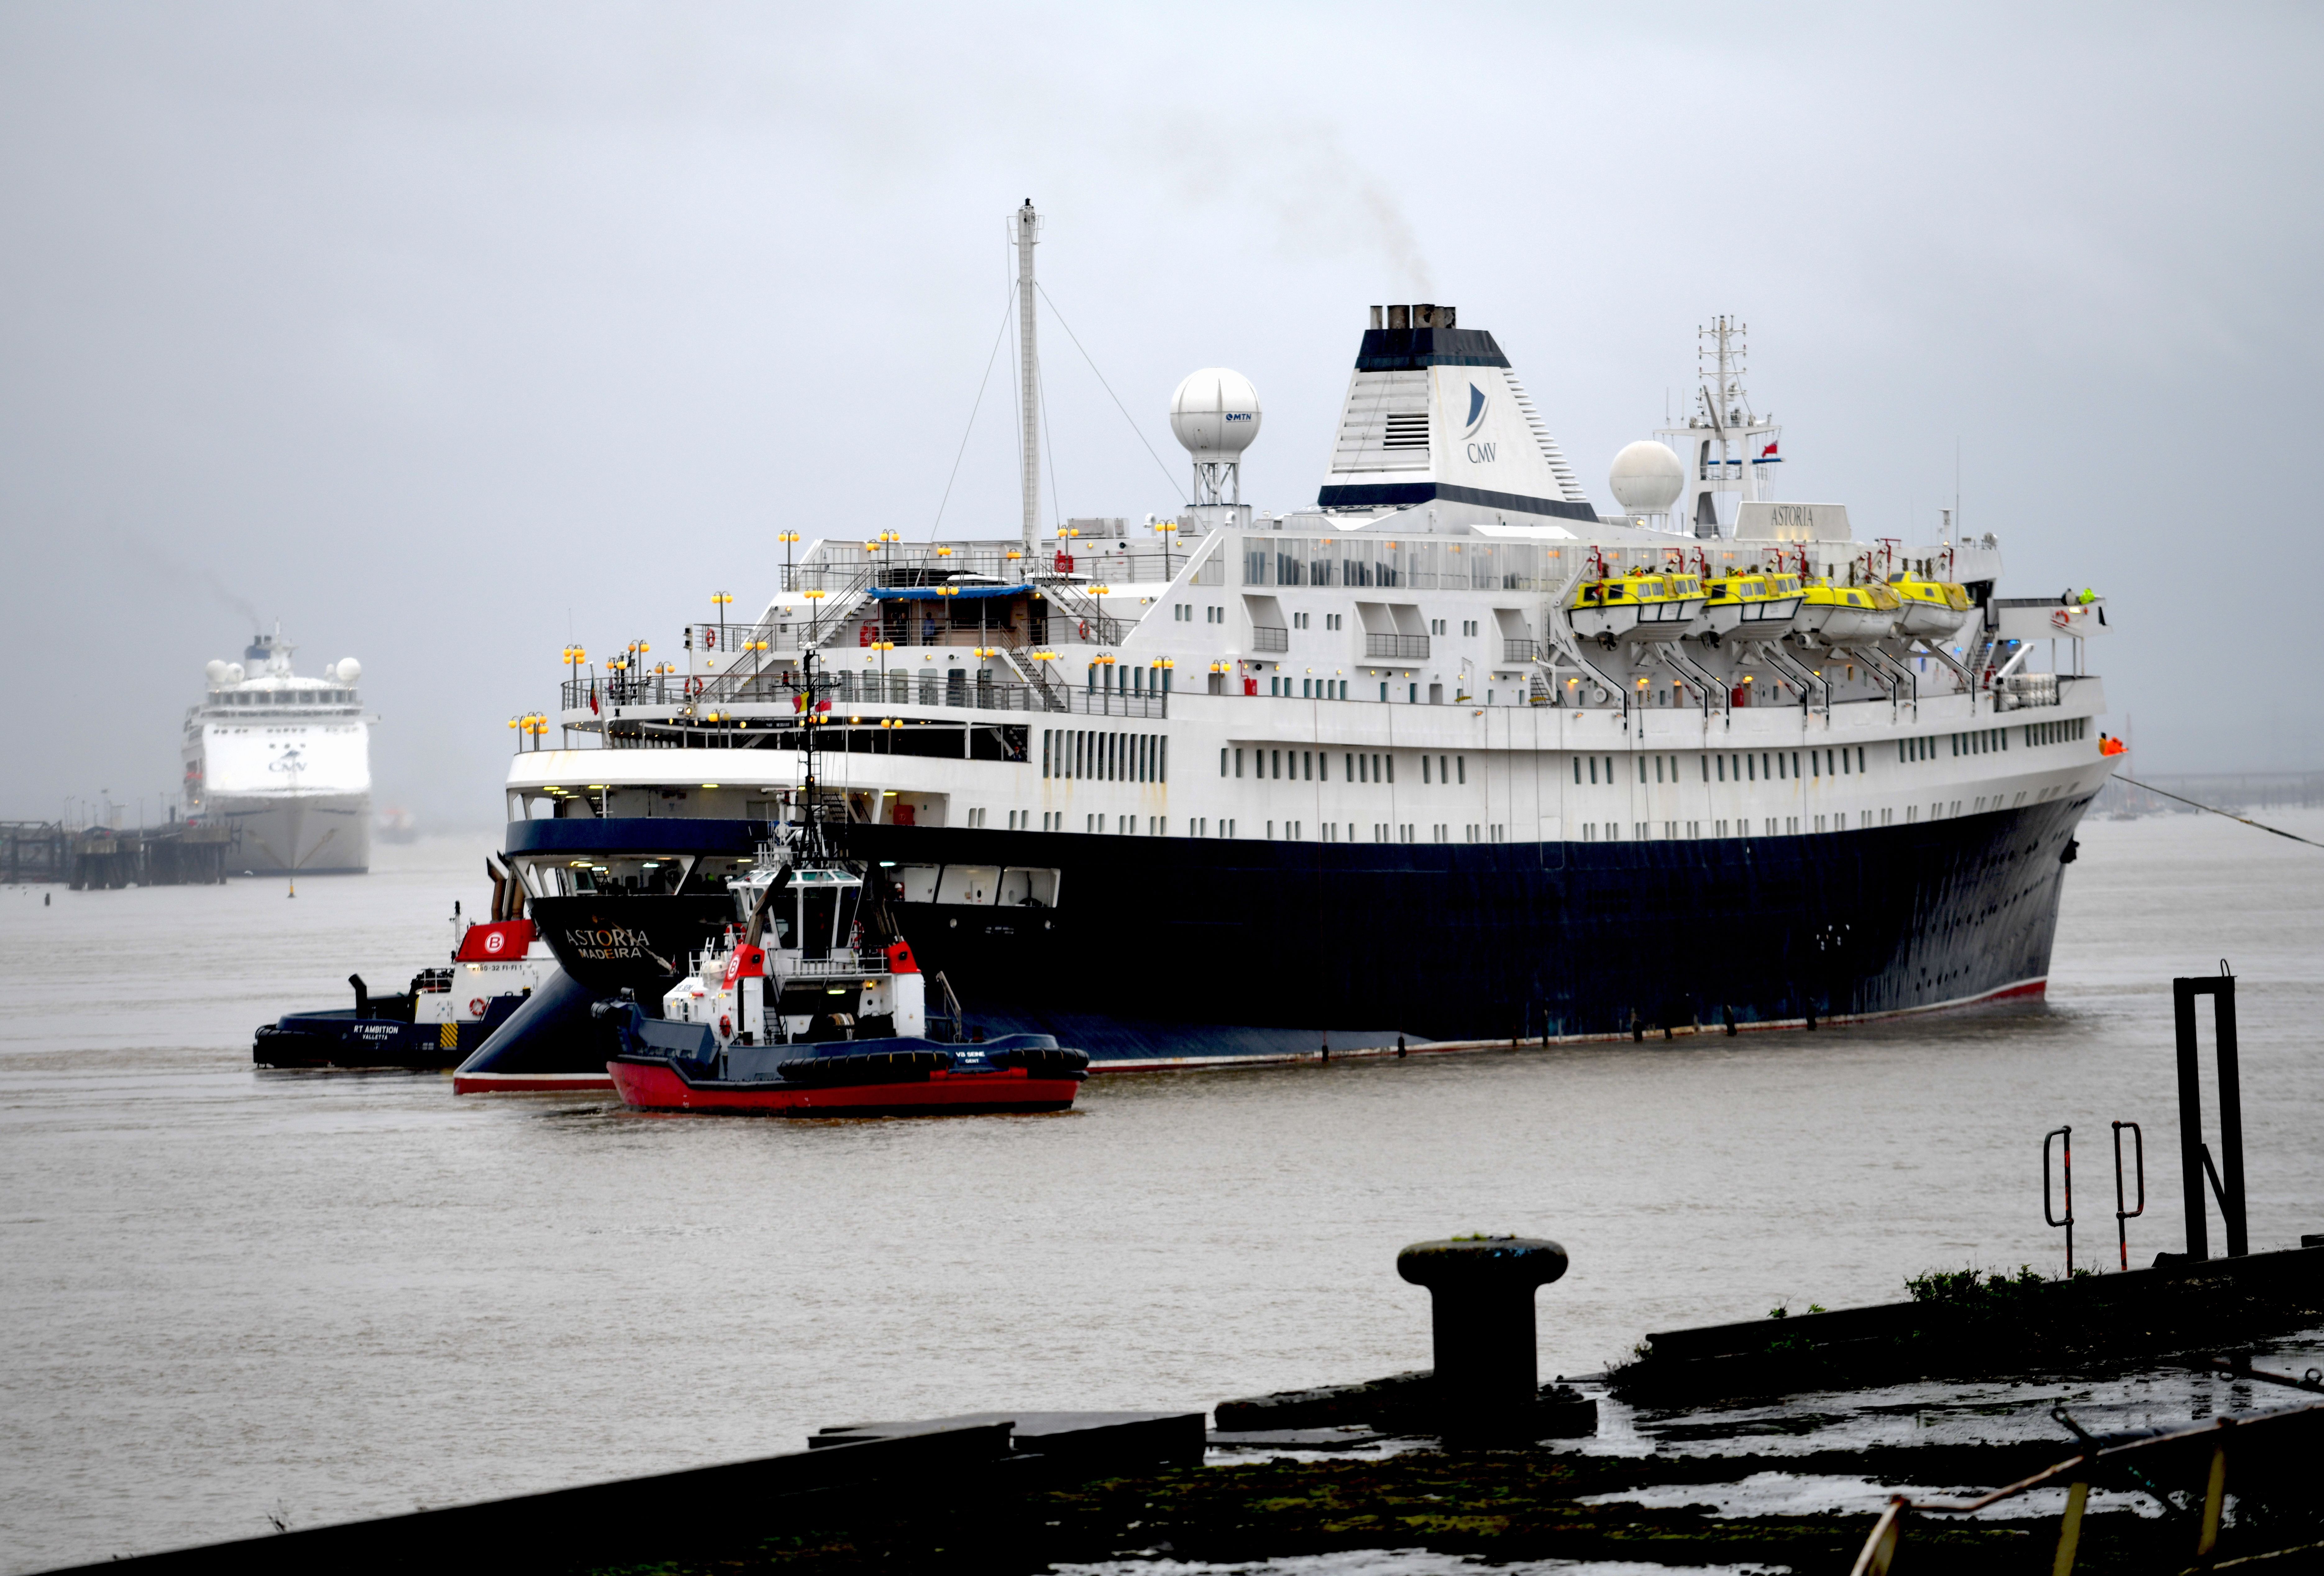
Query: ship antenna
[(1028, 227)]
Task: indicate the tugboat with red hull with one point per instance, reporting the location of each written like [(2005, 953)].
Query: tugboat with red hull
[(682, 1066), (767, 1021)]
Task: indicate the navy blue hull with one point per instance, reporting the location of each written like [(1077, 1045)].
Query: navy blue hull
[(1170, 949), (340, 1037)]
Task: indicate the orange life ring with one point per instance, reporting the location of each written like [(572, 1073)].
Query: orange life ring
[(694, 685), (2061, 618), (726, 1027), (475, 1007), (709, 640), (1084, 629)]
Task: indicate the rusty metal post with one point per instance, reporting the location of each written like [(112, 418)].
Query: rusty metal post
[(2066, 1170), (2123, 1215), (1481, 1292)]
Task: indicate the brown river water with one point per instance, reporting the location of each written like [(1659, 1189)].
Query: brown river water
[(234, 1296)]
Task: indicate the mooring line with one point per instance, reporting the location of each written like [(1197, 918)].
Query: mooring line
[(2230, 814)]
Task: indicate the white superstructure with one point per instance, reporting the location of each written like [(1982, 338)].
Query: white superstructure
[(283, 760), (1402, 663)]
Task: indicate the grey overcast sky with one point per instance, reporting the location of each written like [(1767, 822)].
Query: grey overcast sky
[(441, 332)]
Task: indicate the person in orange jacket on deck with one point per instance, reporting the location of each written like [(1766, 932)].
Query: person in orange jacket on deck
[(2108, 745)]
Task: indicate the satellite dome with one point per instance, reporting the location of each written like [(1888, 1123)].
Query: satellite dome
[(215, 669), (1215, 414), (348, 670), (1647, 478), (233, 673)]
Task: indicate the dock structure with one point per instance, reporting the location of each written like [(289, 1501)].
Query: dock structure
[(177, 853), (33, 852)]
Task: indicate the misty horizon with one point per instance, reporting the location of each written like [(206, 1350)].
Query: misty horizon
[(447, 337)]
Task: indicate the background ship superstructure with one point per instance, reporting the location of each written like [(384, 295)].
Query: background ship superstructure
[(1364, 770), (284, 760)]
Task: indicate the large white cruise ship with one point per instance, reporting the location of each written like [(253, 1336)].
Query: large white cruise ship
[(285, 762), (1447, 757)]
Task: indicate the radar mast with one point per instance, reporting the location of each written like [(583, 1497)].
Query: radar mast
[(1727, 447)]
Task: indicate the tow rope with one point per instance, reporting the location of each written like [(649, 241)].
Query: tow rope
[(2246, 820)]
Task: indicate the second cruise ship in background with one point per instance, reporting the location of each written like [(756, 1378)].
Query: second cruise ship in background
[(1446, 758), (285, 762)]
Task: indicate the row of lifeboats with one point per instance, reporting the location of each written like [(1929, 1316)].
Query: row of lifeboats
[(1675, 605)]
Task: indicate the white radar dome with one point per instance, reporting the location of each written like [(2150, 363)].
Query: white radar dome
[(215, 669), (233, 673), (349, 669), (1215, 414), (1647, 478)]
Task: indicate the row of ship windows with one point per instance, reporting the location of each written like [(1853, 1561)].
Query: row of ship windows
[(1105, 756), (286, 697), (1315, 766), (1767, 765), (1122, 757), (1780, 825), (1496, 830)]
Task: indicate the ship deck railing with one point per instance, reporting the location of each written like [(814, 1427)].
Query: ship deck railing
[(836, 968), (768, 696), (836, 566), (674, 719)]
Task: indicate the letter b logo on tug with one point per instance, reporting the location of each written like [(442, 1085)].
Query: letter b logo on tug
[(483, 943)]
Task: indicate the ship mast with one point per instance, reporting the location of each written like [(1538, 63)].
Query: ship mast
[(1029, 230), (1727, 447)]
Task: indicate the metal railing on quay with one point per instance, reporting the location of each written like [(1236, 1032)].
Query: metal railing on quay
[(2195, 1460)]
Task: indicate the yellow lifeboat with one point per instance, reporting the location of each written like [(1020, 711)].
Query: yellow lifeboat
[(1636, 606), (1752, 602), (1845, 613), (1933, 608)]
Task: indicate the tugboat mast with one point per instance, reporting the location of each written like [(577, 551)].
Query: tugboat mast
[(1029, 230), (812, 846)]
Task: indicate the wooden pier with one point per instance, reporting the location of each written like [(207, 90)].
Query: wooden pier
[(173, 854)]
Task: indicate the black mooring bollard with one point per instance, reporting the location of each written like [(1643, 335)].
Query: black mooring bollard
[(1480, 1312)]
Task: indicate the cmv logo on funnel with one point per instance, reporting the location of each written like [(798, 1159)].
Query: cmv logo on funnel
[(1479, 453)]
